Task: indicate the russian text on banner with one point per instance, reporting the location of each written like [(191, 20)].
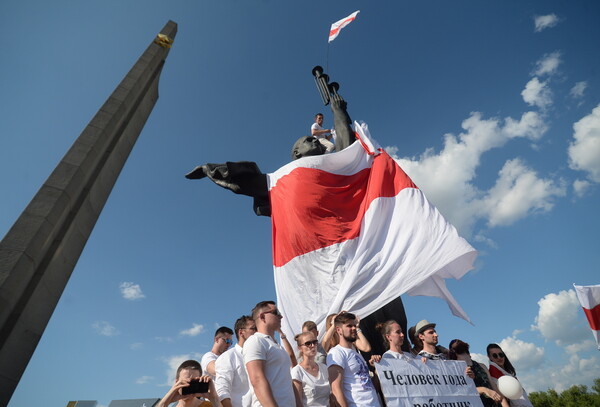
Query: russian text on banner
[(433, 384)]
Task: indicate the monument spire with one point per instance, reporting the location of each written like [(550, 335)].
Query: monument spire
[(40, 251)]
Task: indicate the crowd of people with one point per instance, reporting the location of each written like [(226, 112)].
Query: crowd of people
[(261, 371), (330, 371)]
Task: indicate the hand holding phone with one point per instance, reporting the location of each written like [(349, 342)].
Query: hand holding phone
[(196, 386)]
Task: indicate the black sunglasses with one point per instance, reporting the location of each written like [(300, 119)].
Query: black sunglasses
[(498, 355), (310, 343), (274, 312)]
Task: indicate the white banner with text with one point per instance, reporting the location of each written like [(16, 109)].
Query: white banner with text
[(433, 384)]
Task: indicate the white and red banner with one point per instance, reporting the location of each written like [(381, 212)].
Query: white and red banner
[(589, 298), (352, 232), (338, 25)]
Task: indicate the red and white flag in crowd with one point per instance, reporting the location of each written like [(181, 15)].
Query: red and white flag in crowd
[(338, 25), (589, 298), (352, 232)]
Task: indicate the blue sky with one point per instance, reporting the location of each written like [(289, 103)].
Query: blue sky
[(493, 108)]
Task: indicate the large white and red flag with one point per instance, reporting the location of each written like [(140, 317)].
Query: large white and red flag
[(351, 231), (589, 298), (338, 25)]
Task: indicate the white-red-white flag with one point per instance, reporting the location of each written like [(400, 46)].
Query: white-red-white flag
[(589, 298), (338, 25), (351, 231)]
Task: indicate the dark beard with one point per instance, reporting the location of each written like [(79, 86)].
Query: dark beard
[(351, 339)]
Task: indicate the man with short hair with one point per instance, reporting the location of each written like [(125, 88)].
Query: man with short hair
[(311, 326), (186, 372), (427, 334), (348, 372), (425, 331), (221, 343), (232, 380), (267, 362), (323, 135)]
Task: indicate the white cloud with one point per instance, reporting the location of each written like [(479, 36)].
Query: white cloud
[(530, 126), (581, 187), (558, 318), (447, 177), (136, 346), (581, 346), (484, 239), (578, 371), (543, 22), (523, 355), (105, 329), (195, 330), (478, 357), (173, 363), (548, 64), (537, 94), (584, 151), (131, 291), (144, 379), (578, 90), (519, 192)]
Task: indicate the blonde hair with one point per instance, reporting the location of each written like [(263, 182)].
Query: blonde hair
[(300, 341), (385, 328)]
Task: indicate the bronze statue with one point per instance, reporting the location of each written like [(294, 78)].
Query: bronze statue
[(245, 178)]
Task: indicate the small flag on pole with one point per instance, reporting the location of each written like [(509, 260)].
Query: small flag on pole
[(338, 25), (589, 297)]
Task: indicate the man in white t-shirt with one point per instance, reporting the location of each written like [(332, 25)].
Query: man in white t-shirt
[(232, 380), (323, 135), (267, 363), (223, 340), (348, 372)]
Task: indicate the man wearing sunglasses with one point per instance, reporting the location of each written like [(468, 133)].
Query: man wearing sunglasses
[(232, 380), (223, 340), (267, 362)]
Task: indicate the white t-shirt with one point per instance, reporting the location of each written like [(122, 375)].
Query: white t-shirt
[(206, 359), (315, 126), (277, 367), (232, 378), (357, 384), (316, 389), (390, 354)]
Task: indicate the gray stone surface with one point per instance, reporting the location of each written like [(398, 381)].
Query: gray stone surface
[(40, 251)]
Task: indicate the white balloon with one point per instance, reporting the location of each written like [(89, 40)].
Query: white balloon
[(510, 387)]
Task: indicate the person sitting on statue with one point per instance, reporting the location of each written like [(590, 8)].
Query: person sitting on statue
[(323, 135)]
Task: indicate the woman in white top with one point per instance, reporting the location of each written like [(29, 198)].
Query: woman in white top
[(393, 338), (310, 378)]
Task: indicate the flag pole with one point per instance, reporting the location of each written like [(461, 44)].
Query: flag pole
[(327, 58)]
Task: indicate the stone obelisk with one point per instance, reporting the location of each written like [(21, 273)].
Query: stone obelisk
[(40, 251)]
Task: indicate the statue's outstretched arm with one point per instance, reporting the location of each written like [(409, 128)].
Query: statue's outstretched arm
[(244, 178)]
